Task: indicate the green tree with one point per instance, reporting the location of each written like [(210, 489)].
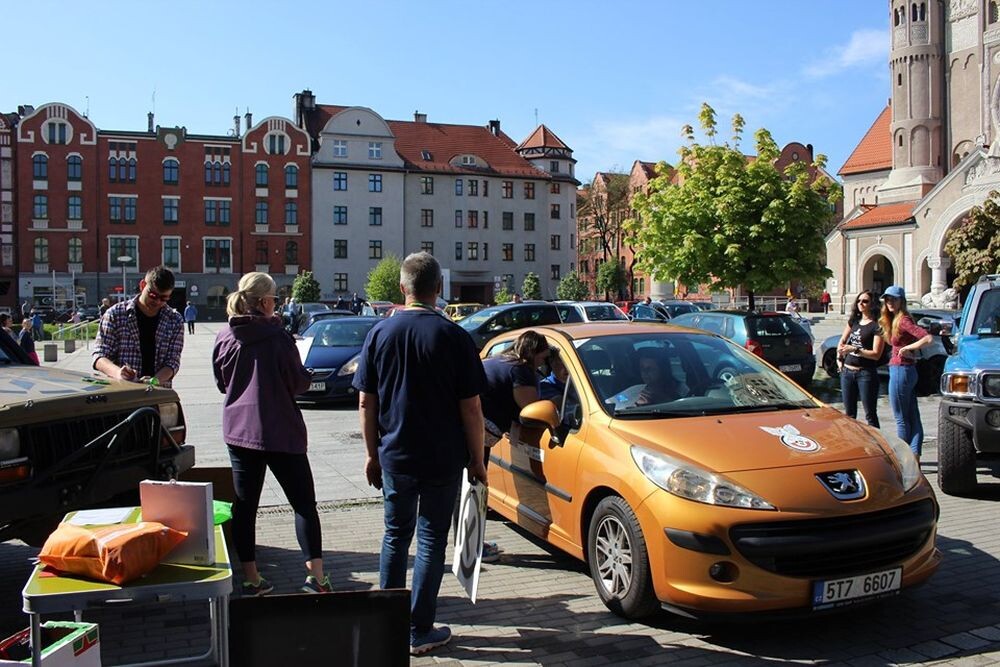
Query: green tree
[(531, 288), (503, 296), (974, 244), (571, 287), (735, 221), (305, 289), (611, 278), (383, 281)]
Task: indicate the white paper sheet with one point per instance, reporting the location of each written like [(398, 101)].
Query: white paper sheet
[(100, 517), (471, 530)]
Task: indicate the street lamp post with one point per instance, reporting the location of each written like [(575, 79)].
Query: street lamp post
[(124, 260)]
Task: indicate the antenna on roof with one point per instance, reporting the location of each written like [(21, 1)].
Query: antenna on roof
[(86, 112), (536, 116)]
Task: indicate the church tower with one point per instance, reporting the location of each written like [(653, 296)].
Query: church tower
[(916, 65)]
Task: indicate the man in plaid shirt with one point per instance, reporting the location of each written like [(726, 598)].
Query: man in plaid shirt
[(141, 339)]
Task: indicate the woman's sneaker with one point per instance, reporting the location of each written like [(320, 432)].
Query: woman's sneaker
[(491, 552), (423, 642), (262, 587), (314, 585)]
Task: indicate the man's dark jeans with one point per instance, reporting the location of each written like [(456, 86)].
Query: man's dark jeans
[(863, 383), (424, 504)]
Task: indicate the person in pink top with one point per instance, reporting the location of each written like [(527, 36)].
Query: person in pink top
[(906, 338)]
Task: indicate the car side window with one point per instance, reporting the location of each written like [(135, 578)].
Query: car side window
[(499, 348), (571, 413), (569, 314), (498, 323)]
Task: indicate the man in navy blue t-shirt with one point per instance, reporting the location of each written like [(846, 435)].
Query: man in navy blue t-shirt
[(420, 378)]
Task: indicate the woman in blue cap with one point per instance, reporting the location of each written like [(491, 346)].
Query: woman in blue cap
[(906, 338)]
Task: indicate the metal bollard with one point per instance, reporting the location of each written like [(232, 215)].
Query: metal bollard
[(51, 352), (69, 345)]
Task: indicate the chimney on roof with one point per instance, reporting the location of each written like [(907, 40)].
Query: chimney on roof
[(149, 122), (305, 102), (419, 117), (495, 127), (236, 125), (248, 117), (25, 110)]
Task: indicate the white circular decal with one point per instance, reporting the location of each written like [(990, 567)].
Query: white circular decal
[(791, 438)]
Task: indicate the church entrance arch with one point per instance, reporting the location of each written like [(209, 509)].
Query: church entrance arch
[(877, 274)]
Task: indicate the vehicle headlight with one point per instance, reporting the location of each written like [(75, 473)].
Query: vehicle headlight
[(961, 385), (909, 467), (170, 414), (693, 483), (350, 367), (991, 386), (10, 444)]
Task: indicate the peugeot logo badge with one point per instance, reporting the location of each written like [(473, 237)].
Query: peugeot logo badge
[(843, 484)]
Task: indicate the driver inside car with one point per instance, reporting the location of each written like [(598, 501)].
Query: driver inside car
[(660, 384)]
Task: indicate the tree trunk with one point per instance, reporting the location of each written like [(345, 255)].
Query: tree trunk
[(750, 300)]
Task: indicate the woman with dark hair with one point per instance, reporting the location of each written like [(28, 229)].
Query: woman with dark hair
[(858, 353), (660, 384)]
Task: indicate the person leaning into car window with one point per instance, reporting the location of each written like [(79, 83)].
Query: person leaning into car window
[(858, 354)]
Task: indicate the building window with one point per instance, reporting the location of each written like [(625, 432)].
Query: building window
[(210, 217), (276, 144), (225, 173), (572, 241), (375, 216), (458, 218), (40, 207), (427, 246), (170, 212), (260, 216), (486, 219), (340, 215), (171, 172), (529, 190), (261, 176), (486, 188), (340, 248), (374, 249), (554, 274), (115, 209), (508, 221), (473, 219), (458, 187), (340, 282), (123, 246), (554, 211), (426, 185), (129, 213), (426, 217), (507, 252), (261, 253), (374, 150), (473, 187), (291, 252), (572, 211), (374, 182), (555, 188), (218, 254), (224, 212), (57, 133), (75, 251), (507, 190), (208, 173), (458, 250), (469, 160), (529, 222), (291, 214), (131, 170), (339, 148), (172, 253), (291, 177), (553, 166), (41, 251), (217, 173), (473, 250), (74, 207), (529, 252), (40, 168), (74, 168), (340, 180), (486, 251), (555, 242)]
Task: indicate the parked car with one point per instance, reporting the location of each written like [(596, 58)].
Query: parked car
[(309, 319), (803, 322), (969, 412), (737, 494), (704, 305), (775, 337), (590, 311), (333, 356), (642, 312), (72, 440), (377, 308), (457, 311), (493, 321), (297, 315), (675, 308)]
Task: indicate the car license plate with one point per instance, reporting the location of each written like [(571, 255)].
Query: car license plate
[(790, 368), (836, 592), (317, 386)]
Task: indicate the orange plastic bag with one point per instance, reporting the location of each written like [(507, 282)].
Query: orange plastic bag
[(116, 554)]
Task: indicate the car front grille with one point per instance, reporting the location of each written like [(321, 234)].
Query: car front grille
[(841, 545)]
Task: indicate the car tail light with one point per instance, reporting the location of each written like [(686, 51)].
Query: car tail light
[(755, 347), (15, 470), (807, 348)]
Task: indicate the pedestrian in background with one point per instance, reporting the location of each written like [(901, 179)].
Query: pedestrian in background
[(27, 342), (37, 325), (190, 315), (906, 338), (25, 309), (860, 348), (104, 307), (792, 306), (258, 368), (357, 303), (825, 300), (419, 378)]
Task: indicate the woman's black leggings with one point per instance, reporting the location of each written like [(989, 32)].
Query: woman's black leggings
[(295, 477)]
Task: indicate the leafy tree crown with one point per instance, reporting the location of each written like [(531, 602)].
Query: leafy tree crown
[(383, 281), (572, 288), (531, 288), (305, 288)]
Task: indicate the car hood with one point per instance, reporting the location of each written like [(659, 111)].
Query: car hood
[(329, 357), (976, 353), (755, 441)]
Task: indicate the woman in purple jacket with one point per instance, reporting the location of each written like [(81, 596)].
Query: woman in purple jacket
[(257, 367)]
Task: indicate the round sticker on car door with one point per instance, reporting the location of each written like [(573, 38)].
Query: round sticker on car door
[(791, 438)]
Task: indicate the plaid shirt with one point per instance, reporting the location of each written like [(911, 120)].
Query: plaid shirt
[(118, 337)]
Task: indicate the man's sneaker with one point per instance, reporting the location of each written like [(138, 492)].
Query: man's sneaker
[(262, 587), (491, 552), (423, 642), (314, 585)]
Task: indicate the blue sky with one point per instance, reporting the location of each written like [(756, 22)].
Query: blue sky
[(615, 81)]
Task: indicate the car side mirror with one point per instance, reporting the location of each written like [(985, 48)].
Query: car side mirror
[(540, 414)]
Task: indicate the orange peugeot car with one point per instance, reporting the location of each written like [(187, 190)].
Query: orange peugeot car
[(692, 476)]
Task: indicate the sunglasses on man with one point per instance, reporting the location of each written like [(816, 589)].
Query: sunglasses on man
[(157, 297)]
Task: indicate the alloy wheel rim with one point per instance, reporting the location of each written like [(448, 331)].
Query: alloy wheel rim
[(614, 557)]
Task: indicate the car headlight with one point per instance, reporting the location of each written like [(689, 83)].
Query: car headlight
[(909, 467), (350, 367), (693, 483), (10, 444), (991, 386), (959, 385), (170, 414)]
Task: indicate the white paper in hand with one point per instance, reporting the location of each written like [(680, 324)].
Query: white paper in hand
[(304, 345), (469, 536)]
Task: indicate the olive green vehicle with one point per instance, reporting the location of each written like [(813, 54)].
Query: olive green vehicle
[(70, 440)]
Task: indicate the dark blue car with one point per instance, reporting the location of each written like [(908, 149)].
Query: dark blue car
[(333, 357)]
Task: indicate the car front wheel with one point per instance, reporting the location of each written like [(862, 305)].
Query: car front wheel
[(956, 457), (830, 363), (619, 563)]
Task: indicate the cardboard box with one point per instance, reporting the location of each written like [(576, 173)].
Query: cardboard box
[(183, 506), (64, 645)]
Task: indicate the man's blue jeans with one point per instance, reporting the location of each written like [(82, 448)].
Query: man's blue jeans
[(903, 399), (424, 504)]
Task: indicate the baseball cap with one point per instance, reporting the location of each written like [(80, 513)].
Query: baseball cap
[(896, 292)]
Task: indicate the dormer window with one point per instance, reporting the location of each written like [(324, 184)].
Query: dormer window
[(469, 160), (425, 155), (374, 150)]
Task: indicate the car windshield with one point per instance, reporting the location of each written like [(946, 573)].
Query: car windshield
[(987, 322), (675, 374), (676, 309), (773, 326), (604, 312), (474, 320), (339, 332), (466, 310)]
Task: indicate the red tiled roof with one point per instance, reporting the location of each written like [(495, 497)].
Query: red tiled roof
[(874, 152), (543, 137), (883, 215), (444, 142)]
